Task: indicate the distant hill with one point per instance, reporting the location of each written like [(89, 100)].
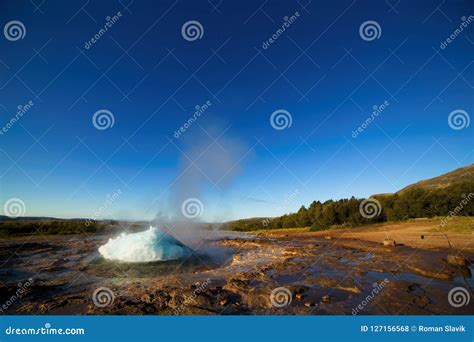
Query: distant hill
[(23, 226), (463, 174), (25, 218)]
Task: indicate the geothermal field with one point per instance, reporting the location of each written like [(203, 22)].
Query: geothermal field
[(294, 271)]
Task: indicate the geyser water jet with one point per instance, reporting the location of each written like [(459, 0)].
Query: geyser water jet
[(146, 246)]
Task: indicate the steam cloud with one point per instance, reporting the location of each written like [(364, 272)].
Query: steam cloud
[(207, 168)]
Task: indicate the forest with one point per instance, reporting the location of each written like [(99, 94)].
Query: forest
[(453, 200)]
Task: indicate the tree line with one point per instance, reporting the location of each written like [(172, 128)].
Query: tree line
[(453, 200)]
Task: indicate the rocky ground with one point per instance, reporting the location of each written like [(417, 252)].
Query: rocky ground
[(302, 274)]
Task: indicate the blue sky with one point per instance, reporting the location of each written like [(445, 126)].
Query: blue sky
[(150, 78)]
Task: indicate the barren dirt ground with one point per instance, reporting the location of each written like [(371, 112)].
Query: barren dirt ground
[(421, 233), (281, 272)]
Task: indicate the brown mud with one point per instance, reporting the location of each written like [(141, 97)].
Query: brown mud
[(338, 276)]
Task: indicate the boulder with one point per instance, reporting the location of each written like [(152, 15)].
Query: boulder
[(389, 242), (326, 299), (456, 260)]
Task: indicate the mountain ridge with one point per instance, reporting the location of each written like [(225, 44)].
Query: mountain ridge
[(459, 175)]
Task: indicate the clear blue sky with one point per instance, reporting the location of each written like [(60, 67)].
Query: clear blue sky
[(143, 71)]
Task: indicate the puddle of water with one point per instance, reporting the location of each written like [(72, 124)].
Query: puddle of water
[(367, 256), (348, 262)]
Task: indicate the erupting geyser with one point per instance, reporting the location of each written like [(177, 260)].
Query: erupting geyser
[(150, 245)]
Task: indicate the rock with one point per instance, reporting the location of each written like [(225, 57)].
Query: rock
[(237, 285), (175, 300), (422, 301), (258, 298), (309, 304), (251, 296), (326, 299), (300, 288), (146, 298), (456, 260), (149, 309), (389, 242)]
